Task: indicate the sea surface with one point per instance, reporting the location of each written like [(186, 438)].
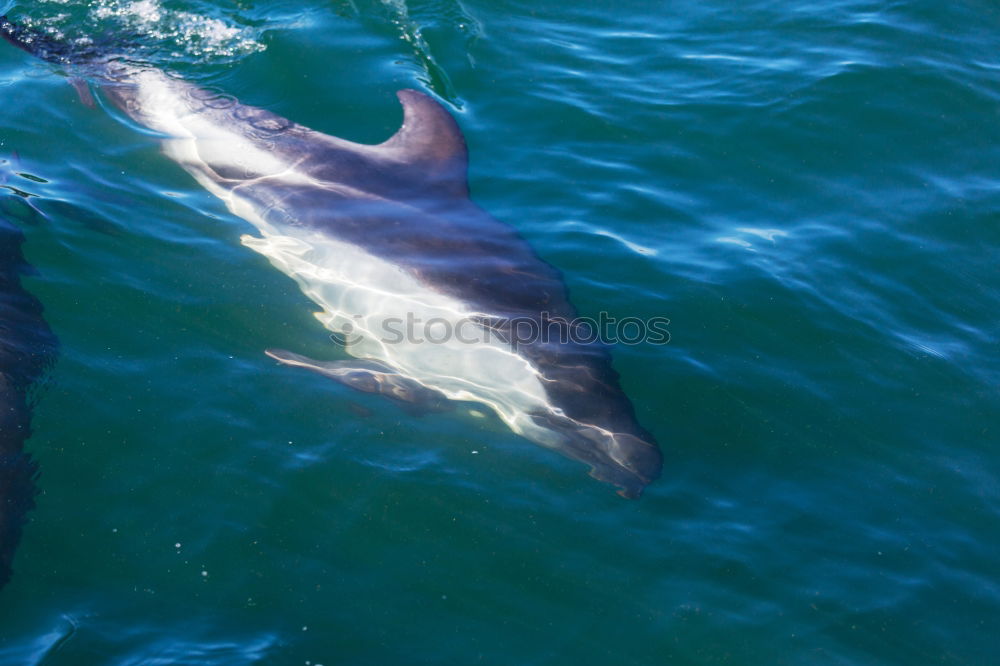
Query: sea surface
[(809, 191)]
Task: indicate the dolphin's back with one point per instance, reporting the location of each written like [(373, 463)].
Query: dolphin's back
[(405, 200)]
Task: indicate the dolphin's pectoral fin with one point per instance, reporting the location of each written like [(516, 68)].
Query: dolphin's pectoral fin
[(371, 377), (82, 89), (429, 146)]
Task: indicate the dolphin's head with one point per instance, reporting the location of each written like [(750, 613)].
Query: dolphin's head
[(629, 460)]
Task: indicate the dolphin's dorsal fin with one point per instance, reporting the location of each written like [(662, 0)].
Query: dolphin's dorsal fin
[(429, 144)]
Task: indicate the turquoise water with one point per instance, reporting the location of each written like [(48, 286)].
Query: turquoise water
[(809, 191)]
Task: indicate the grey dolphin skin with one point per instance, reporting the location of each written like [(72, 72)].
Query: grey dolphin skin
[(381, 234), (26, 349)]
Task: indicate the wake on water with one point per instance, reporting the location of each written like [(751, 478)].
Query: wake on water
[(197, 33)]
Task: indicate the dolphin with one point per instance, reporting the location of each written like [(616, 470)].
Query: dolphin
[(382, 235), (26, 348)]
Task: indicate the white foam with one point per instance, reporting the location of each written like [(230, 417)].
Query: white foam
[(193, 34)]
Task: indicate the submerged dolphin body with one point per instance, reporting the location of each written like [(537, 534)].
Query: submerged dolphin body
[(26, 347), (380, 234)]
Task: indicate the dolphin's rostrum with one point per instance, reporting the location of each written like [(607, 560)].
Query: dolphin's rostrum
[(374, 232)]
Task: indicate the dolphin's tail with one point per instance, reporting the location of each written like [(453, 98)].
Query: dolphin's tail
[(45, 46)]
